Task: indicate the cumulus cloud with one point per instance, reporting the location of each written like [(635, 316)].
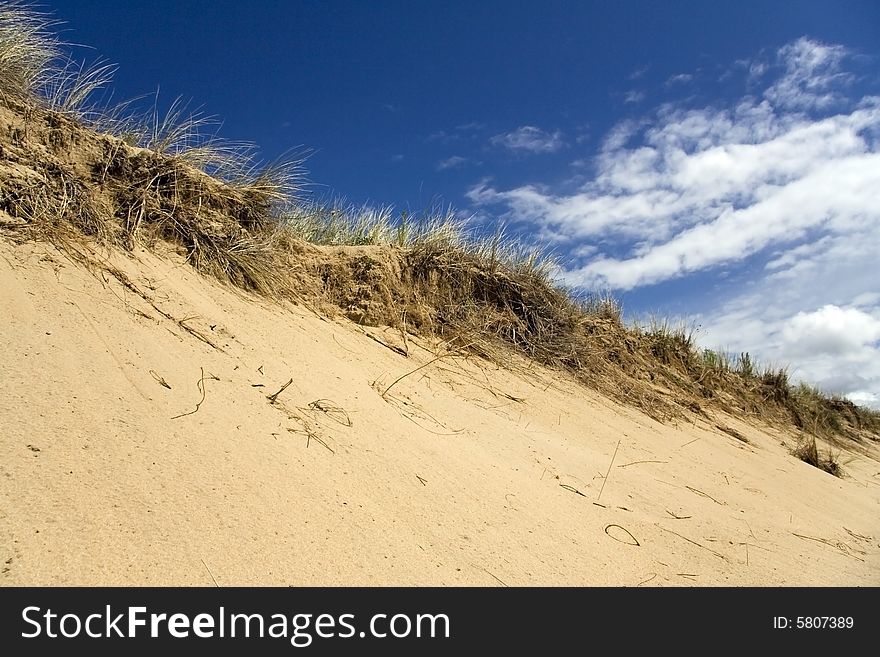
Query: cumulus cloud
[(778, 184), (836, 347), (816, 308), (694, 188), (531, 139), (831, 330)]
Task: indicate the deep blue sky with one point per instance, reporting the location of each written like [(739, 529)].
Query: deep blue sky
[(710, 160), (363, 83)]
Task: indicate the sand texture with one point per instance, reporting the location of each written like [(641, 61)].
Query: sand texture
[(141, 447)]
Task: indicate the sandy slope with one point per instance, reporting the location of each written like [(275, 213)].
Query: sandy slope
[(465, 474)]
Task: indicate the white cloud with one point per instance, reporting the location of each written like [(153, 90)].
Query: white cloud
[(831, 197), (453, 162), (778, 185), (831, 330), (639, 72), (681, 78), (695, 188), (832, 346), (817, 310), (865, 398), (757, 69), (529, 138), (812, 72), (632, 97)]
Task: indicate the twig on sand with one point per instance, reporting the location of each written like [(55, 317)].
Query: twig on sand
[(676, 516), (699, 492), (856, 536), (422, 366), (422, 480), (491, 575), (160, 380), (341, 345), (194, 333), (732, 432), (210, 573), (717, 554), (572, 489), (272, 398), (645, 581), (609, 470), (842, 547), (309, 437), (392, 347), (626, 465), (331, 410), (689, 443), (633, 542), (201, 386), (408, 409), (309, 433)]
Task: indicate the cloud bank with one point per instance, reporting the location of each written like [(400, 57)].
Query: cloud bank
[(780, 180)]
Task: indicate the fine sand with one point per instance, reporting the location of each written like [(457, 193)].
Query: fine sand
[(461, 474)]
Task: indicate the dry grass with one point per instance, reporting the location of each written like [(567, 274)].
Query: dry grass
[(79, 174), (808, 452), (28, 49)]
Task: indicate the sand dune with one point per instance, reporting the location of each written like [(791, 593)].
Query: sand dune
[(140, 447)]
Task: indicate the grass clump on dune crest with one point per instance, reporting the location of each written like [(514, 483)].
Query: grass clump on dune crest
[(40, 77), (121, 177), (28, 49)]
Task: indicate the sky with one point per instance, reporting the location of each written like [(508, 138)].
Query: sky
[(714, 163)]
